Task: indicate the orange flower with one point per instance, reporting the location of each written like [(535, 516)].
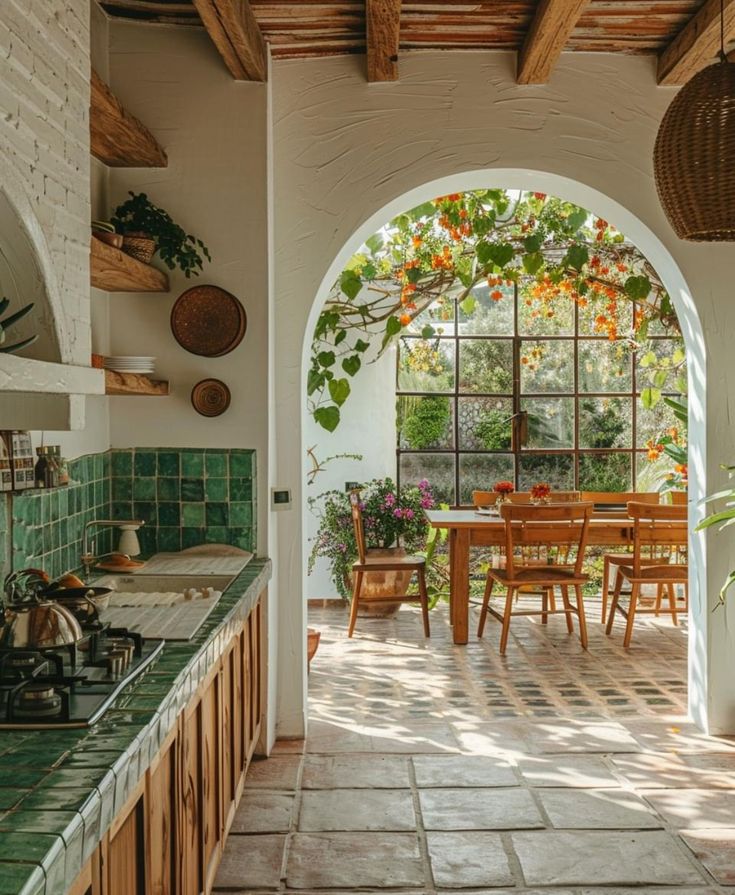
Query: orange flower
[(496, 295), (416, 240), (405, 319)]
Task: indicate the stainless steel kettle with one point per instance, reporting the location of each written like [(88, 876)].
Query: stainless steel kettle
[(29, 621)]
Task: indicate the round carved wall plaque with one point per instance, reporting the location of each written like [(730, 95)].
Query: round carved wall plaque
[(208, 321), (210, 397)]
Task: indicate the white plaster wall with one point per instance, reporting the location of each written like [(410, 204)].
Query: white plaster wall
[(368, 428), (214, 131), (346, 153)]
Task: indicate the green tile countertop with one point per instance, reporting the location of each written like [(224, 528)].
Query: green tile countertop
[(60, 789)]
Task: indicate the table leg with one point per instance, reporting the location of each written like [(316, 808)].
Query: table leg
[(452, 586), (461, 581)]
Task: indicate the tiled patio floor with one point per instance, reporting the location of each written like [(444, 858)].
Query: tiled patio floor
[(431, 768)]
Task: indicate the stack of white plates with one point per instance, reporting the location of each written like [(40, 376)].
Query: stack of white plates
[(121, 364)]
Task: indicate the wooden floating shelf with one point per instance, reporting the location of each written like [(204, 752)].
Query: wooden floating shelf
[(134, 384), (117, 138), (114, 271)]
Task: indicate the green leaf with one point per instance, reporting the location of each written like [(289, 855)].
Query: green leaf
[(637, 287), (642, 333), (499, 253), (392, 326), (350, 283), (532, 243), (369, 271), (326, 358), (483, 223), (576, 219), (678, 356), (468, 305), (650, 397), (648, 358), (425, 210), (375, 243), (660, 377), (428, 332), (414, 274), (361, 345), (532, 263), (327, 417), (340, 337), (314, 381), (351, 364), (339, 391), (577, 256)]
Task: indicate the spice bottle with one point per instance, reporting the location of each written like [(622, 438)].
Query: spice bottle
[(41, 468)]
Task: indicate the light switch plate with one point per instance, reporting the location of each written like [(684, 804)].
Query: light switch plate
[(280, 498)]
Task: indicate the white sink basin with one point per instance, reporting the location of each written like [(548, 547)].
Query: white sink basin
[(152, 584)]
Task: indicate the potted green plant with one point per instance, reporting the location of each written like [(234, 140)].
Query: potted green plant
[(389, 517), (148, 229)]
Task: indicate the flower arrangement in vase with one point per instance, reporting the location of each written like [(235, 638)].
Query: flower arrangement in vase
[(503, 490), (541, 493)]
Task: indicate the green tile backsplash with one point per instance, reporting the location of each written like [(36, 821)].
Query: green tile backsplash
[(187, 497)]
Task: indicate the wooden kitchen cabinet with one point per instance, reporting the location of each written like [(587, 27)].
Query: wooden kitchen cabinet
[(169, 838)]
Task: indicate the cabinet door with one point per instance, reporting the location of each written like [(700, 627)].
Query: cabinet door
[(126, 855), (238, 734), (162, 826), (211, 779), (227, 765), (190, 826)]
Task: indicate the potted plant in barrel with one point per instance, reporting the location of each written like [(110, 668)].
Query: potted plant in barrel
[(394, 523), (148, 229)]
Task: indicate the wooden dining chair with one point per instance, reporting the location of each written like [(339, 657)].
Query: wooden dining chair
[(562, 530), (609, 501), (653, 527), (365, 564), (488, 498)]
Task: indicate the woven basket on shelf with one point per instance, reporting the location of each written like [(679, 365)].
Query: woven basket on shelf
[(140, 247), (694, 157)]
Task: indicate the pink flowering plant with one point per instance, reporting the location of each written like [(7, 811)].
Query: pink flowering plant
[(388, 517)]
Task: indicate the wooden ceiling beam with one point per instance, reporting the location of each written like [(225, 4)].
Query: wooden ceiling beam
[(550, 29), (236, 35), (117, 138), (383, 26), (696, 45)]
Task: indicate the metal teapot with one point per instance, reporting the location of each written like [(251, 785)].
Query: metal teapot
[(29, 621)]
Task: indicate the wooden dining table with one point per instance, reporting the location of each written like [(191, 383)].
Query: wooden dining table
[(468, 528)]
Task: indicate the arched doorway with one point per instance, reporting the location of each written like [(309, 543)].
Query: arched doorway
[(661, 259)]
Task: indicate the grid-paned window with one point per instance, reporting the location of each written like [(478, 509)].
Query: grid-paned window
[(507, 388)]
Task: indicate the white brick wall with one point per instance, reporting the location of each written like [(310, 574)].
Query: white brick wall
[(44, 149)]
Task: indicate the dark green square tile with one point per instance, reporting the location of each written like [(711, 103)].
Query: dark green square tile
[(10, 796), (215, 463), (215, 489), (241, 537), (192, 537), (145, 463), (26, 877), (122, 489), (146, 511), (168, 513), (192, 464), (169, 489), (192, 515), (241, 464), (144, 488), (122, 510), (169, 539), (148, 541), (216, 514), (241, 489), (168, 463), (241, 514), (192, 489), (217, 534)]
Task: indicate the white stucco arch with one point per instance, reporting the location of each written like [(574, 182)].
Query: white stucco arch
[(349, 155)]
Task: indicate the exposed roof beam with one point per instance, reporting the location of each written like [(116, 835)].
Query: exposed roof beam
[(383, 33), (552, 24), (237, 36), (696, 45), (117, 138)]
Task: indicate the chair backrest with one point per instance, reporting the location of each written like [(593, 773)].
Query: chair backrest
[(679, 498), (488, 498), (563, 526), (603, 499), (655, 526), (357, 523)]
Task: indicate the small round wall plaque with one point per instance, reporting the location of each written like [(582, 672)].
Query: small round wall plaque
[(210, 397), (208, 321)]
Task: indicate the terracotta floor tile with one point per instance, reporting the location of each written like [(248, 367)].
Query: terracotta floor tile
[(281, 771), (251, 862), (354, 860), (263, 812), (478, 809), (357, 809), (355, 772), (460, 860)]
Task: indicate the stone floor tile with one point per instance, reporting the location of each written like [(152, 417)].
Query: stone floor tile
[(327, 737), (263, 812), (478, 809), (665, 770), (415, 738), (694, 809), (353, 860), (716, 850), (251, 862), (280, 771), (488, 738), (602, 858), (582, 735), (459, 860), (612, 809), (288, 747), (577, 771), (675, 733), (462, 770), (357, 809), (355, 772)]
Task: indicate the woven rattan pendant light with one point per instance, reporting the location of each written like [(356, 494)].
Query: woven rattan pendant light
[(694, 156)]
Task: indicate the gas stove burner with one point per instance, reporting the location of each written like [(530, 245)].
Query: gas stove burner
[(37, 701)]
